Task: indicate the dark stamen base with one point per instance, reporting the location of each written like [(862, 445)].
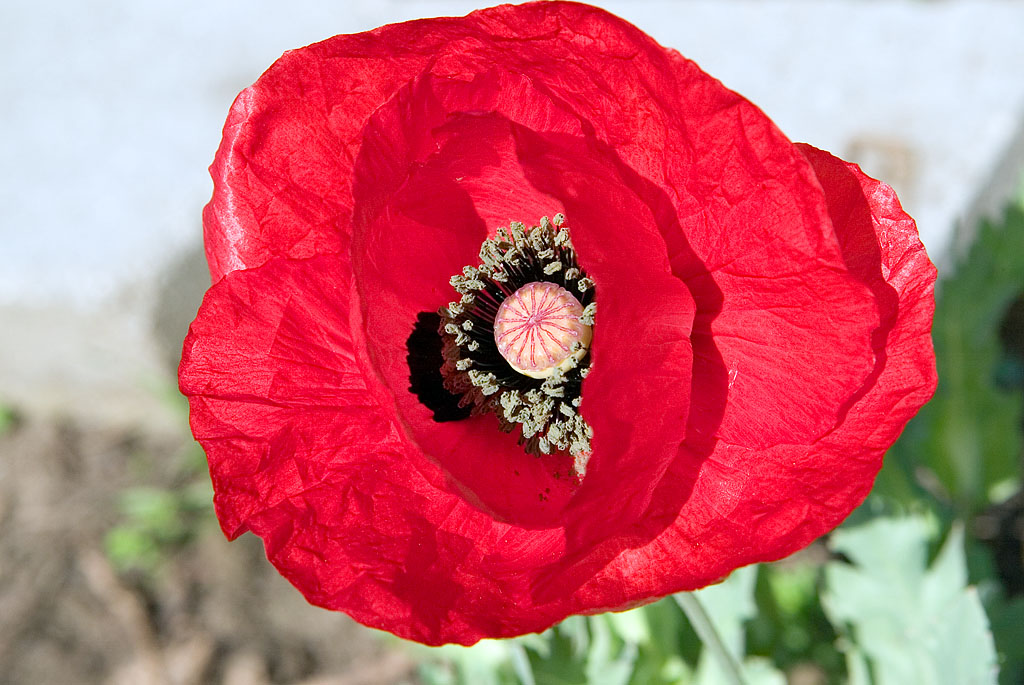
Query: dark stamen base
[(425, 360)]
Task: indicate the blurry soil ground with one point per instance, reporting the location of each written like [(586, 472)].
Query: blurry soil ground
[(210, 612)]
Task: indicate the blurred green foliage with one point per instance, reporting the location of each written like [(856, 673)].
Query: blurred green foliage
[(898, 621), (790, 627), (8, 419), (156, 523)]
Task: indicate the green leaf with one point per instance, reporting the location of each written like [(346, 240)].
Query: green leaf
[(520, 663), (760, 671), (631, 626), (131, 548), (433, 673), (730, 604), (914, 624), (539, 643), (575, 628), (857, 665)]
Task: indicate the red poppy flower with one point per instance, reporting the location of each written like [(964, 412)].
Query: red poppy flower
[(762, 333)]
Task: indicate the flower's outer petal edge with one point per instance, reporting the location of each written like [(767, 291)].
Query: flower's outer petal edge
[(279, 180), (259, 364), (820, 483)]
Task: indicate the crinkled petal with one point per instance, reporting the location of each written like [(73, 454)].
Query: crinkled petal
[(760, 505), (304, 452)]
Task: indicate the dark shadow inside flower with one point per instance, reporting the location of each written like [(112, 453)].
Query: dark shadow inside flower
[(862, 255), (424, 357)]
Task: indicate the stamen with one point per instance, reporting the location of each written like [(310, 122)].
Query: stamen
[(517, 341), (552, 268)]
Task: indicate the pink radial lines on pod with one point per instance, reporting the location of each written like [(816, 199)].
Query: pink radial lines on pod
[(538, 330)]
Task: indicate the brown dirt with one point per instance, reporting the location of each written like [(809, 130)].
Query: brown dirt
[(209, 612)]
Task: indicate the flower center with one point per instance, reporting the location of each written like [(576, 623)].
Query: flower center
[(517, 342), (538, 330)]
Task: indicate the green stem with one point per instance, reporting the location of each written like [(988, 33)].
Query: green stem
[(707, 633)]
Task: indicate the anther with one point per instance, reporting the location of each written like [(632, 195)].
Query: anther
[(530, 373)]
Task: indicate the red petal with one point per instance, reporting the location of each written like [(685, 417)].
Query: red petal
[(750, 506), (283, 173)]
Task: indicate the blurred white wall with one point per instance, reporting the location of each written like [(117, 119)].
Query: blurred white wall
[(110, 113)]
